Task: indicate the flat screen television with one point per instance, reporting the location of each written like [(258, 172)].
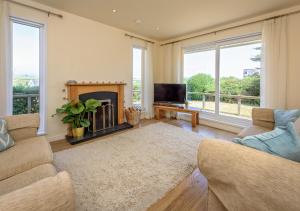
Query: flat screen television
[(170, 93)]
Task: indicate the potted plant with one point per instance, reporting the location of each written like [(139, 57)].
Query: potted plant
[(75, 115)]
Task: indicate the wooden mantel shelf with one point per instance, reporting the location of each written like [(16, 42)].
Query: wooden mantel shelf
[(95, 84)]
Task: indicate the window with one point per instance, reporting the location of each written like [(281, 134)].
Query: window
[(137, 82), (28, 68), (224, 77), (199, 75)]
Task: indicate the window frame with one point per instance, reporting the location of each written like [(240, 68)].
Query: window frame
[(143, 57), (42, 69), (217, 46)]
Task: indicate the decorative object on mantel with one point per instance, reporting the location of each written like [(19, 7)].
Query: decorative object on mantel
[(71, 82), (75, 115), (133, 116)]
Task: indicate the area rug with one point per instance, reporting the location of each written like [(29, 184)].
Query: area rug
[(131, 170)]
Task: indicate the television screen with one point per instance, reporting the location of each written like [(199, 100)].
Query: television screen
[(170, 93)]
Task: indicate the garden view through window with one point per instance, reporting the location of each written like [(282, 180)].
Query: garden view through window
[(225, 79), (137, 76), (25, 66)]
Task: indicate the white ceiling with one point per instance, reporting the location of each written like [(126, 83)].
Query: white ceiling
[(173, 17)]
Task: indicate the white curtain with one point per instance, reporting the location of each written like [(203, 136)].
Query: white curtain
[(4, 22), (148, 86), (172, 63), (274, 77)]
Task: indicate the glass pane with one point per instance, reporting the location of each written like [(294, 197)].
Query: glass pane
[(240, 68), (25, 42), (199, 75), (137, 76)]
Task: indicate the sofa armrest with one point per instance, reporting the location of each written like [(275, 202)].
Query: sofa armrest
[(243, 178), (23, 126), (263, 117), (52, 193)]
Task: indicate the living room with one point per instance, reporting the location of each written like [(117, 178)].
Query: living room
[(149, 105)]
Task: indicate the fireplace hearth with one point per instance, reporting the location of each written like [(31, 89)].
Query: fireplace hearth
[(109, 117)]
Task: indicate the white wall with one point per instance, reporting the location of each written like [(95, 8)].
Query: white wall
[(83, 50)]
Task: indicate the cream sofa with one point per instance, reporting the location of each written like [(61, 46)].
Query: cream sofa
[(242, 178), (28, 180)]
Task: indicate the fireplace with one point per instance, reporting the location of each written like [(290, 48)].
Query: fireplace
[(107, 114), (109, 117)]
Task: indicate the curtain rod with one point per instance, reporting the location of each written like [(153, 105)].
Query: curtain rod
[(131, 36), (35, 8), (232, 27)]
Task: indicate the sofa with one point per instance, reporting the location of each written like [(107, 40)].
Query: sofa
[(28, 179), (242, 178)]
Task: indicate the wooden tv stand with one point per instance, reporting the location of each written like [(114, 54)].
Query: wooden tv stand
[(182, 109)]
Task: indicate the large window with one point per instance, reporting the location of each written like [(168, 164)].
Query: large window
[(26, 62), (138, 58), (224, 77), (28, 68), (199, 74)]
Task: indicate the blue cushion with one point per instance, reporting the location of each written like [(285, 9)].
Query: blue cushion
[(6, 141), (280, 142), (283, 117)]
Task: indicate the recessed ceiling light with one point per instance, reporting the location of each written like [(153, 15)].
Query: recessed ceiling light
[(138, 21), (114, 11)]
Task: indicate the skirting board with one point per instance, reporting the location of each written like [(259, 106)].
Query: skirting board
[(56, 138)]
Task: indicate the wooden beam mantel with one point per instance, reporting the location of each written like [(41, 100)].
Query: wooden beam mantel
[(95, 84)]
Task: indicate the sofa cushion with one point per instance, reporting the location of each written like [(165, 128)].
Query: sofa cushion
[(253, 130), (283, 117), (263, 117), (26, 178), (52, 193), (6, 141), (25, 155), (22, 126), (280, 142)]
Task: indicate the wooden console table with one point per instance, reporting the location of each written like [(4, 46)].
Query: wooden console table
[(189, 110)]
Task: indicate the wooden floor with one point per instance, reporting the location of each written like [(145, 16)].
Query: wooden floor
[(190, 194)]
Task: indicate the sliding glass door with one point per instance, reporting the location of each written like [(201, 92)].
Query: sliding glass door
[(223, 78), (199, 75)]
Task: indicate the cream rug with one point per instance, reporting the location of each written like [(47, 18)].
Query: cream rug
[(131, 170)]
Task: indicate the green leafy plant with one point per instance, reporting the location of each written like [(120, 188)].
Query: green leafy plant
[(75, 112)]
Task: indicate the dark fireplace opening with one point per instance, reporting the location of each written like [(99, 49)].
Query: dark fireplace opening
[(111, 112)]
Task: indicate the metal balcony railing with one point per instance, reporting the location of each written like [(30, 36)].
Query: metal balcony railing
[(252, 101)]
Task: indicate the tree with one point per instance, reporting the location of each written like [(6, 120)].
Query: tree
[(201, 83), (251, 85), (230, 85)]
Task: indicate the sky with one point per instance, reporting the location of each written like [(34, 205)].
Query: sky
[(25, 50), (137, 64), (232, 61)]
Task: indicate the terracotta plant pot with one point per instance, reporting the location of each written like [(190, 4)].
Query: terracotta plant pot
[(78, 132)]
